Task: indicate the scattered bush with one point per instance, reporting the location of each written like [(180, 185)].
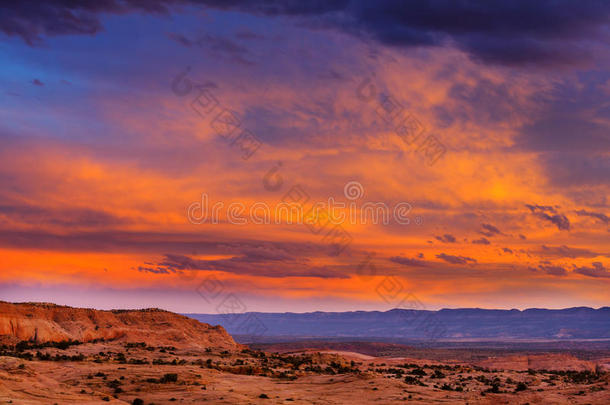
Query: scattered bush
[(169, 378), (418, 371), (135, 345), (521, 387)]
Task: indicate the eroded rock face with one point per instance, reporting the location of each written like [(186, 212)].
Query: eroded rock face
[(41, 322)]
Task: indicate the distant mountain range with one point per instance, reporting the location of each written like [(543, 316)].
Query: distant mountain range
[(462, 324)]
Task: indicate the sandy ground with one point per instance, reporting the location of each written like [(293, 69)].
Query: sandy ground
[(218, 377)]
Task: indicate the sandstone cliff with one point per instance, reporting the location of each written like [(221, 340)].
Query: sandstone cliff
[(42, 322)]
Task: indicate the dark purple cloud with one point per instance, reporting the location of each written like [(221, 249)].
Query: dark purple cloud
[(570, 131), (564, 251), (446, 238), (34, 20), (598, 215), (507, 31), (489, 230), (254, 257), (268, 262), (549, 213), (158, 270), (578, 168), (66, 217), (551, 269), (37, 82), (409, 262), (481, 241), (217, 45), (598, 271), (455, 259), (154, 243)]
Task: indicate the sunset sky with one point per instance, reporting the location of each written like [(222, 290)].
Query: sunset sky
[(106, 143)]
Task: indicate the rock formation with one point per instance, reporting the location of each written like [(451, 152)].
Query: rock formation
[(42, 322)]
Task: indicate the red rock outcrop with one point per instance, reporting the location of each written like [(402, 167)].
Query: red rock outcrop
[(42, 322)]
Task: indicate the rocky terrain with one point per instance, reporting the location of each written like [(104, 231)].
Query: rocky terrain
[(142, 364), (43, 322)]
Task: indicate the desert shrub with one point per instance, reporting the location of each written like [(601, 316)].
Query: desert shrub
[(263, 396), (113, 384), (43, 356), (520, 387), (413, 380), (135, 345), (169, 378), (137, 401), (418, 371), (21, 346), (581, 377)]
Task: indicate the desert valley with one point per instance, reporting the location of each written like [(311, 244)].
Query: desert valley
[(61, 355)]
